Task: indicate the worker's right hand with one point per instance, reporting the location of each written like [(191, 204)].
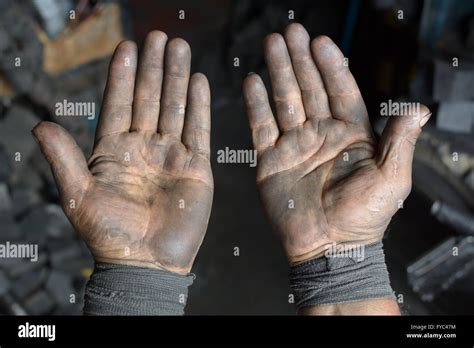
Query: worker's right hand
[(323, 177), (145, 195)]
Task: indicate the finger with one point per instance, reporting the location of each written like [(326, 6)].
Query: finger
[(397, 144), (286, 92), (345, 99), (116, 113), (146, 102), (315, 99), (66, 159), (262, 122), (175, 87), (197, 124)]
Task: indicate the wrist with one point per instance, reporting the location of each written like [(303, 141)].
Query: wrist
[(365, 307), (341, 276), (316, 253), (328, 248), (117, 289), (144, 264)]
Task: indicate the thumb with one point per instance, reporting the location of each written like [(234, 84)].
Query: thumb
[(397, 144), (66, 159)]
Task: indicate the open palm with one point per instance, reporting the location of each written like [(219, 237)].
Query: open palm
[(145, 195), (322, 176)]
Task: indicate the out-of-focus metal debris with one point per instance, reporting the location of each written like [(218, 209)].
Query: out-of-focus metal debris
[(441, 267), (50, 51)]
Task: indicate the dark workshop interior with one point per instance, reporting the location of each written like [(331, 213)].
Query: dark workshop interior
[(398, 50)]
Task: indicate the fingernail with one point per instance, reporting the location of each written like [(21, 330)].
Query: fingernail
[(34, 131), (250, 73), (34, 135), (425, 119)]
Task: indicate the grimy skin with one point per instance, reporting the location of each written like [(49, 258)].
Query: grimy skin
[(150, 157), (322, 176), (145, 195)]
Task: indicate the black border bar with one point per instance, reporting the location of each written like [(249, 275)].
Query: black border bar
[(242, 329)]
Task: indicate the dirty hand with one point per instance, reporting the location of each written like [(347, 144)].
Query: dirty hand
[(145, 195), (322, 176)]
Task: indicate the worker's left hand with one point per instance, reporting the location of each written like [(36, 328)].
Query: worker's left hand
[(144, 197)]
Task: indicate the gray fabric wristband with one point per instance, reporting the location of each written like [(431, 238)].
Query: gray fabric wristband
[(340, 277), (115, 289)]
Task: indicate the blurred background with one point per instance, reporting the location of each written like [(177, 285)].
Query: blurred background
[(399, 50)]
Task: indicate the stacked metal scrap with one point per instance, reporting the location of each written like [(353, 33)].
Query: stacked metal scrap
[(52, 281)]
